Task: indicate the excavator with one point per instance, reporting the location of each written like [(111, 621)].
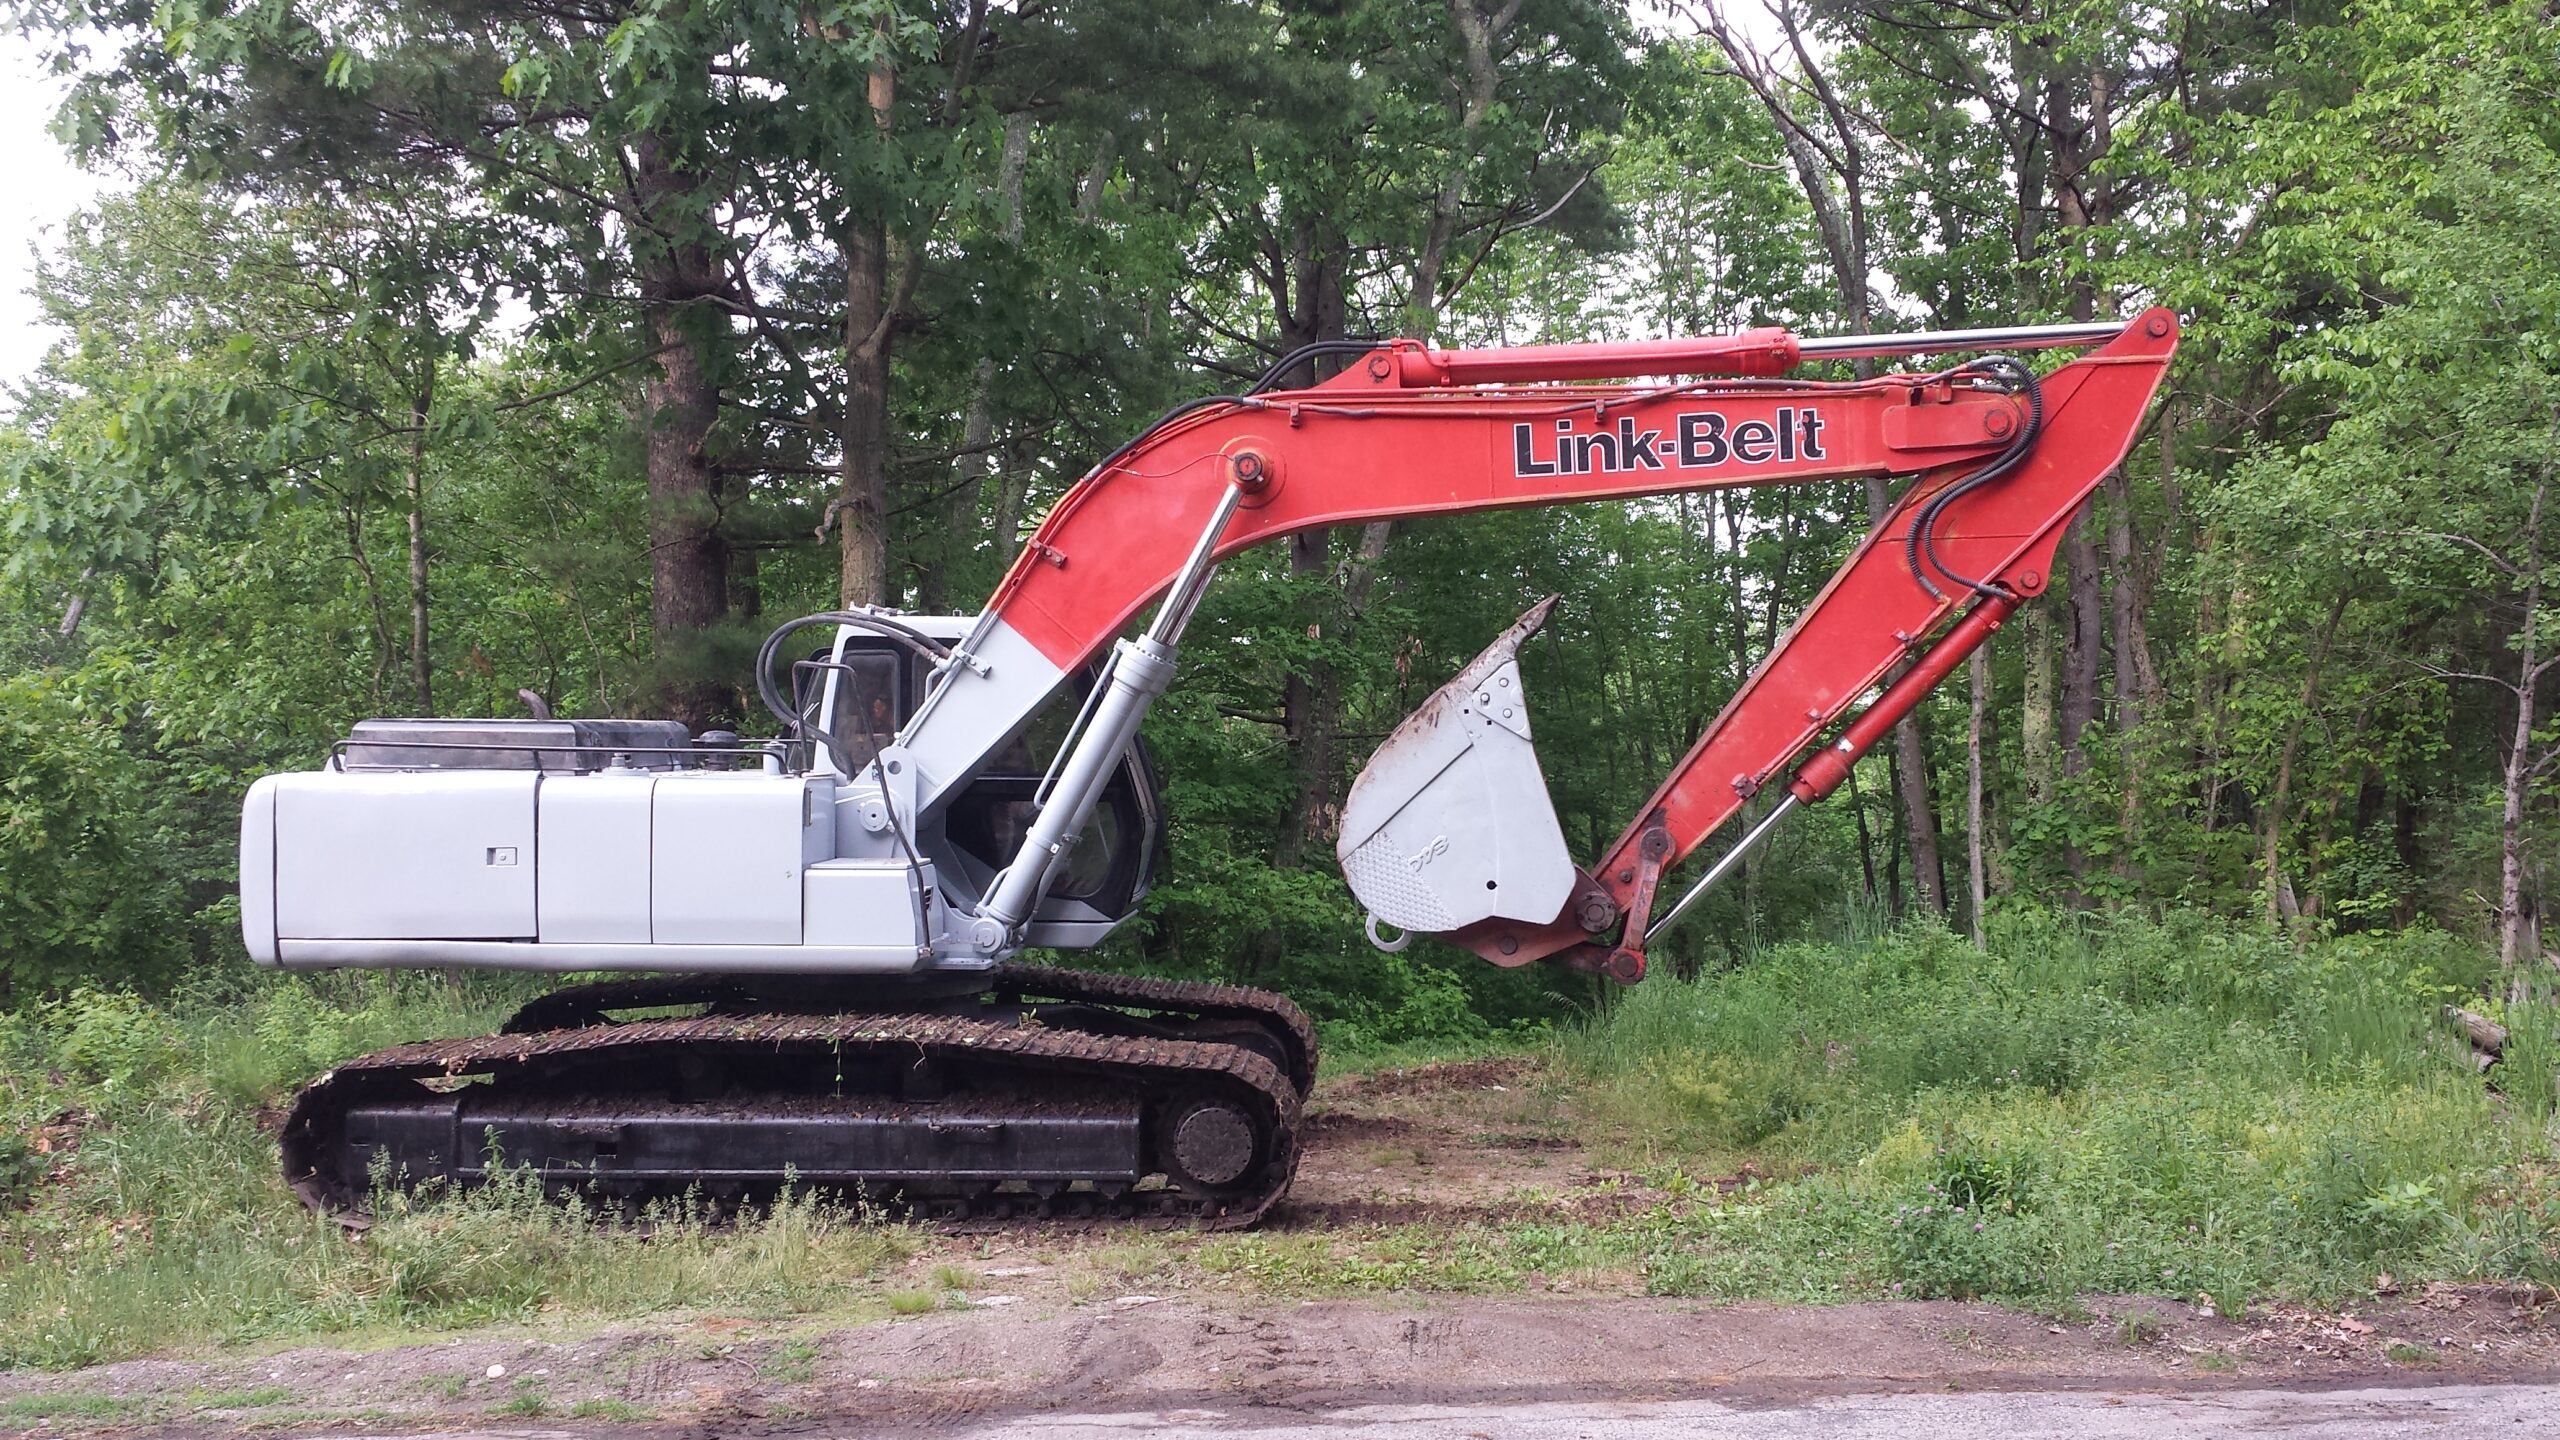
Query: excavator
[(830, 926)]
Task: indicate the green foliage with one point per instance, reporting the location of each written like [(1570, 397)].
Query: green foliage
[(168, 1223), (84, 885), (2091, 1106)]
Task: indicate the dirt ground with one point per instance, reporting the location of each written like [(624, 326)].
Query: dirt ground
[(1453, 1141), (1108, 1319)]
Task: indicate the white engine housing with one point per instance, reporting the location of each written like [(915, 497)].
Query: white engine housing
[(522, 869)]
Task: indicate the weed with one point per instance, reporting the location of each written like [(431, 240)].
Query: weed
[(2090, 1105), (2068, 1310), (793, 1362), (2218, 1362), (2138, 1327), (445, 1387), (260, 1398), (528, 1401), (75, 1404), (2402, 1352), (1131, 1261), (2095, 1105), (607, 1408)]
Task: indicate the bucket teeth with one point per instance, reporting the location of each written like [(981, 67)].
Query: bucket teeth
[(1449, 822)]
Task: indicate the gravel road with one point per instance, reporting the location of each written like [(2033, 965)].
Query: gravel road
[(2473, 1410)]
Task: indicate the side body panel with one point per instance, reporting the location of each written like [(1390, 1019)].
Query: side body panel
[(594, 842), (258, 869), (726, 856), (438, 854)]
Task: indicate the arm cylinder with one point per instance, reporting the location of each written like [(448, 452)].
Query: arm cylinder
[(1934, 342), (1764, 352), (1829, 766)]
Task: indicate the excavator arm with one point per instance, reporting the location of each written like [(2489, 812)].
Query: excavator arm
[(2001, 460)]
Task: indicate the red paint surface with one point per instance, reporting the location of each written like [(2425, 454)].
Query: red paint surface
[(1384, 441)]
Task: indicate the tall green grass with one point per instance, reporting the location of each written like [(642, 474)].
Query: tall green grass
[(2091, 1103), (2183, 1106), (158, 1218)]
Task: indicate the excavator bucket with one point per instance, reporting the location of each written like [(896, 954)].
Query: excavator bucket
[(1450, 822)]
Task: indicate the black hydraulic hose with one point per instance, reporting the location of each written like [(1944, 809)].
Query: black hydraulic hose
[(793, 724), (1922, 539), (1279, 370), (1121, 451)]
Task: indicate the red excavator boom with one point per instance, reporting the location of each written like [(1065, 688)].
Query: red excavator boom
[(2001, 459)]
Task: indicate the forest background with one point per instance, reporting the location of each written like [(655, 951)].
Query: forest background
[(429, 351), (436, 351)]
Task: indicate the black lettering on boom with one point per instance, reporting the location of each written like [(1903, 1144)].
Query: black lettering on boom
[(1699, 440)]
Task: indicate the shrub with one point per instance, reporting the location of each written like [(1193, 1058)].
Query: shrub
[(84, 893)]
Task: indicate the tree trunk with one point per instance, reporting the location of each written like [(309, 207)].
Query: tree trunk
[(2280, 902), (1866, 838), (1311, 308), (1313, 702), (2083, 643), (1976, 872), (680, 405), (2035, 717), (1911, 770), (862, 497), (422, 670), (2516, 943), (2125, 602), (1307, 701), (962, 508), (1894, 836), (1832, 177), (1479, 33), (382, 641)]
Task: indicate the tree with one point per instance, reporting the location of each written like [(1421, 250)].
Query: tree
[(2443, 464)]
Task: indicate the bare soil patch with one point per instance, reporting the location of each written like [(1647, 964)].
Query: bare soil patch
[(1492, 1139), (723, 1375)]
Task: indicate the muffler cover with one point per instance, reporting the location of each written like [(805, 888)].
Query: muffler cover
[(1450, 822)]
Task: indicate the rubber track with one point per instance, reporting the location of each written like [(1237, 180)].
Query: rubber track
[(573, 1005), (1159, 1063), (1235, 1002)]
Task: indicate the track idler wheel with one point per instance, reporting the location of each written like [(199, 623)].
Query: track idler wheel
[(1213, 1144)]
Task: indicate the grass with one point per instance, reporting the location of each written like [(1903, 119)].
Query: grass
[(77, 1405), (167, 1226), (258, 1399), (2181, 1109), (793, 1362)]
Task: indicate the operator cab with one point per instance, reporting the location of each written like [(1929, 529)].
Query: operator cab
[(862, 693)]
